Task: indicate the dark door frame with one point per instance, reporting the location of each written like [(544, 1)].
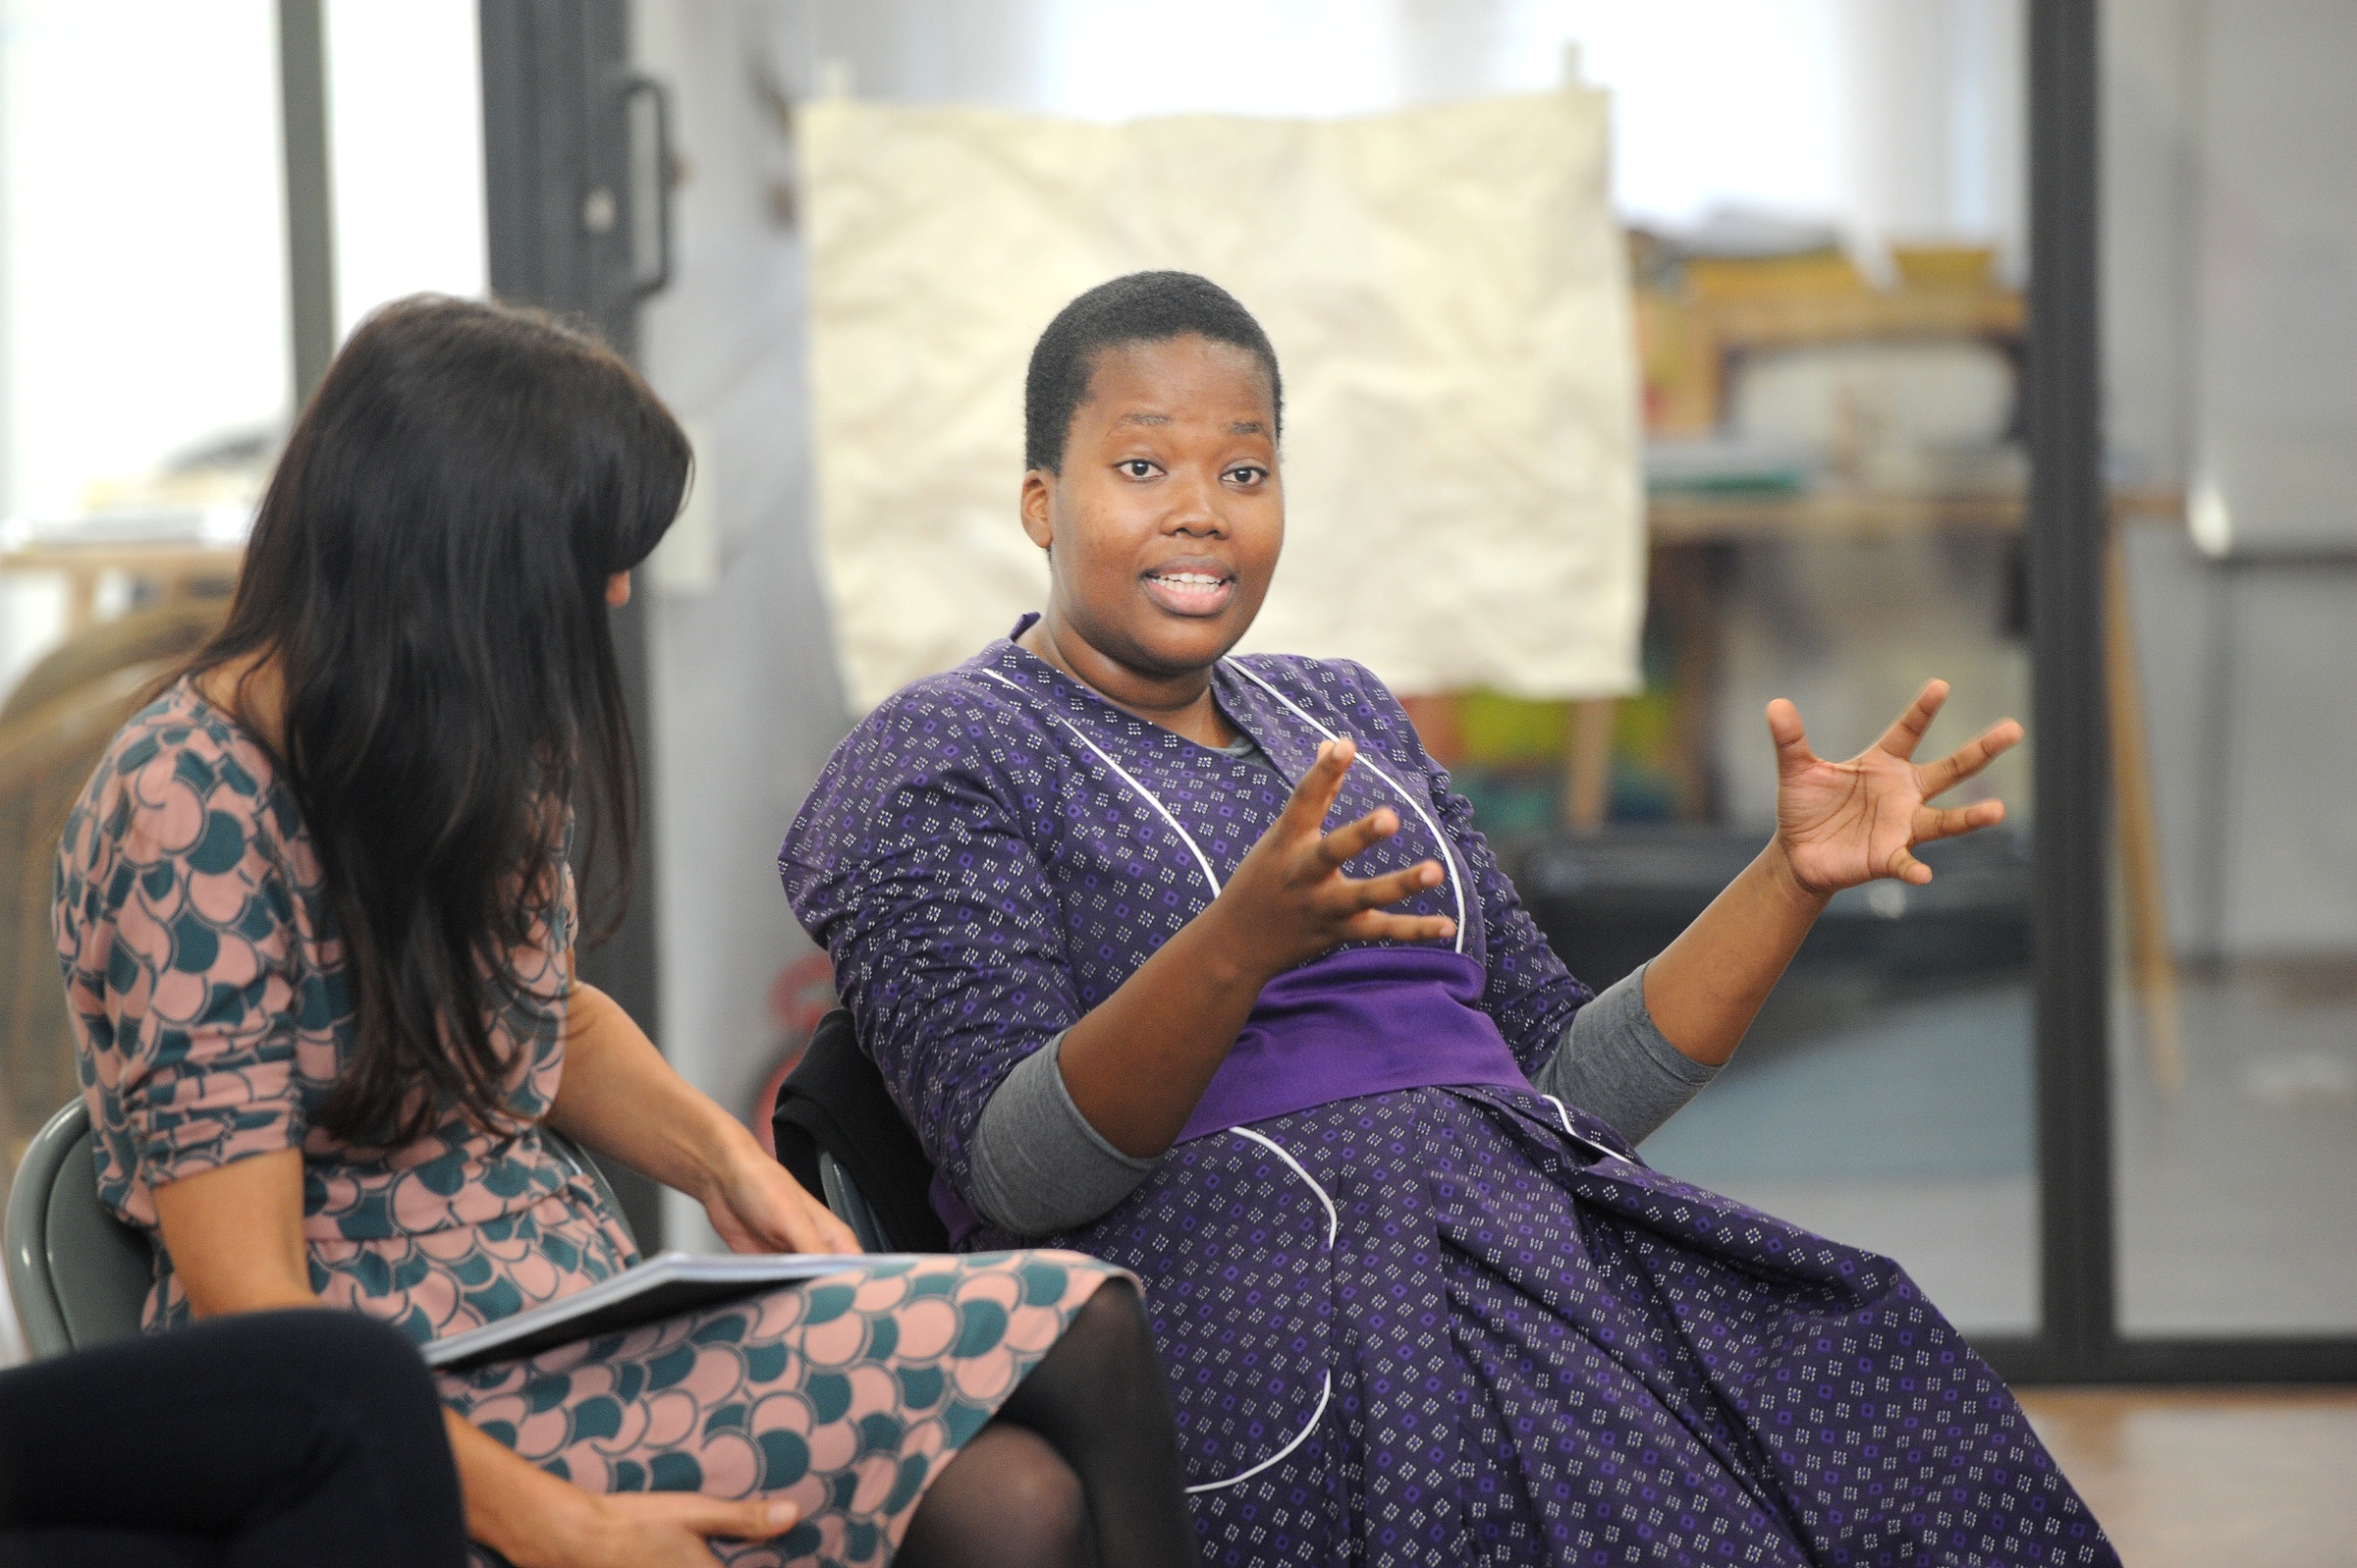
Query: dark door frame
[(2079, 1338), (557, 91)]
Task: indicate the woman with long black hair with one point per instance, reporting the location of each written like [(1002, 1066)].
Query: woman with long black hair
[(317, 914)]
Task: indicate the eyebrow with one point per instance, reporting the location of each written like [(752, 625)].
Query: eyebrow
[(1247, 427), (1143, 419)]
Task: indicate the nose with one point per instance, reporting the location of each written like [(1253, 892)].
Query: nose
[(1197, 509)]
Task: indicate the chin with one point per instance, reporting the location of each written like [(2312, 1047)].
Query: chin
[(1180, 646)]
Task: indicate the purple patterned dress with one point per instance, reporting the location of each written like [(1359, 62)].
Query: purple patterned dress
[(203, 970), (1452, 1322)]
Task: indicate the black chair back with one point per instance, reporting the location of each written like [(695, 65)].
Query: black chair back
[(835, 1102)]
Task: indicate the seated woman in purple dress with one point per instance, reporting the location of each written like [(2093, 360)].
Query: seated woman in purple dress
[(1194, 963), (317, 912)]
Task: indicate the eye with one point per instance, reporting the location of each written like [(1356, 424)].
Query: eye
[(1136, 469), (1246, 473)]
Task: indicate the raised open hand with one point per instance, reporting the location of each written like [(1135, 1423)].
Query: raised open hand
[(1844, 822), (1289, 901)]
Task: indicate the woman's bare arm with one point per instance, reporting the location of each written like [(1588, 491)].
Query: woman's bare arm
[(619, 1095)]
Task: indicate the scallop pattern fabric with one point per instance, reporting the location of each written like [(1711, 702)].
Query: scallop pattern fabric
[(845, 1396), (207, 984), (1437, 1325)]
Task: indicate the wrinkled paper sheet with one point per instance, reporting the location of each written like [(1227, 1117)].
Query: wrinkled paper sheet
[(1446, 291)]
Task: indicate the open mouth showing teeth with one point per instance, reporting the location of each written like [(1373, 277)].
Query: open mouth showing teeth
[(1190, 593)]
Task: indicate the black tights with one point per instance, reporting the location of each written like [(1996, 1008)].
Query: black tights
[(1078, 1470), (278, 1439)]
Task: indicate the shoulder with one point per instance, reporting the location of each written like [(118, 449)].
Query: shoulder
[(960, 736), (961, 722), (181, 779), (1341, 694)]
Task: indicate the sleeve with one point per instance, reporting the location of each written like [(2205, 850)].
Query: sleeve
[(1614, 1063), (1039, 1166), (181, 969), (1529, 993), (910, 865)]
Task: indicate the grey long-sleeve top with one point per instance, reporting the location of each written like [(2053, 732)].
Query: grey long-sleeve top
[(1040, 1167)]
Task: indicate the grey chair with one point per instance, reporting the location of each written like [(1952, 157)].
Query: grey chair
[(81, 1276)]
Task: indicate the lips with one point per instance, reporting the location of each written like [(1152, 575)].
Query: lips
[(1190, 589)]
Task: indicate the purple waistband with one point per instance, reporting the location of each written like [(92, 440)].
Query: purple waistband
[(1360, 1022)]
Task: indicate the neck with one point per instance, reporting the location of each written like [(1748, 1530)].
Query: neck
[(1179, 702), (251, 689)]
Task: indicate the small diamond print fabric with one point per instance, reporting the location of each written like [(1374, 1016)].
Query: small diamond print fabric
[(1437, 1325)]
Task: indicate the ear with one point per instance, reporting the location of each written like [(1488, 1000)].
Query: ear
[(1039, 506), (618, 589)]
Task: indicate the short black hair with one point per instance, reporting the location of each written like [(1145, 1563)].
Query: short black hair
[(1142, 307)]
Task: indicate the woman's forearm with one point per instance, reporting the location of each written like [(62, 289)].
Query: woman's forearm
[(1708, 984), (617, 1095), (1137, 1064), (513, 1506)]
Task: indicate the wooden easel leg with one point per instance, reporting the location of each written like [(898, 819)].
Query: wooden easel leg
[(2152, 955), (1588, 777)]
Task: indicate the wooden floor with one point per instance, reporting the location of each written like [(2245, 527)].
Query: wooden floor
[(2212, 1477)]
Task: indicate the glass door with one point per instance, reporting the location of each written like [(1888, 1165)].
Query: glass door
[(2230, 246)]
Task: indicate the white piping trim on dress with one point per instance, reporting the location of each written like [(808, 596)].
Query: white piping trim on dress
[(1187, 838), (1324, 1393), (1333, 1220), (1299, 1437), (1577, 1138), (1333, 1216), (1457, 884)]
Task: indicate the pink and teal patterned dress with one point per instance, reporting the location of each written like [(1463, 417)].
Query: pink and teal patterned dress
[(214, 1011)]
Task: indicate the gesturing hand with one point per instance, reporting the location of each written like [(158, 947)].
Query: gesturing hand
[(1844, 822), (1289, 901), (1853, 821)]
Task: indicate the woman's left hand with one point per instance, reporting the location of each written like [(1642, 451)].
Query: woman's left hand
[(757, 1206), (1843, 822)]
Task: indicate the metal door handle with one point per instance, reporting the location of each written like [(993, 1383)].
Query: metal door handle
[(656, 93)]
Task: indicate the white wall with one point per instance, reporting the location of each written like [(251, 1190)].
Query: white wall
[(140, 238), (406, 133), (2244, 664)]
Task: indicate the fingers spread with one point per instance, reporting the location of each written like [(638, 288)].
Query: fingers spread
[(1906, 730), (1909, 870), (1313, 797), (1392, 887), (1791, 739), (1339, 845), (1967, 760), (1932, 822), (1374, 925)]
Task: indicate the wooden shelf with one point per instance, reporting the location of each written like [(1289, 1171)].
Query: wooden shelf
[(173, 569), (1826, 513)]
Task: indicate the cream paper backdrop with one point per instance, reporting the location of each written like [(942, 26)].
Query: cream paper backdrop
[(1446, 291)]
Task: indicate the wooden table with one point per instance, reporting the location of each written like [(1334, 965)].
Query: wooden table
[(172, 568)]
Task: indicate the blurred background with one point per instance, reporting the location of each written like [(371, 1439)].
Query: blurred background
[(1824, 207)]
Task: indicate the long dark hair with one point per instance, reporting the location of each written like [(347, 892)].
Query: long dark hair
[(430, 569)]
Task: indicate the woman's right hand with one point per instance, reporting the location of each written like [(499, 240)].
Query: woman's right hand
[(1289, 900), (657, 1529)]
